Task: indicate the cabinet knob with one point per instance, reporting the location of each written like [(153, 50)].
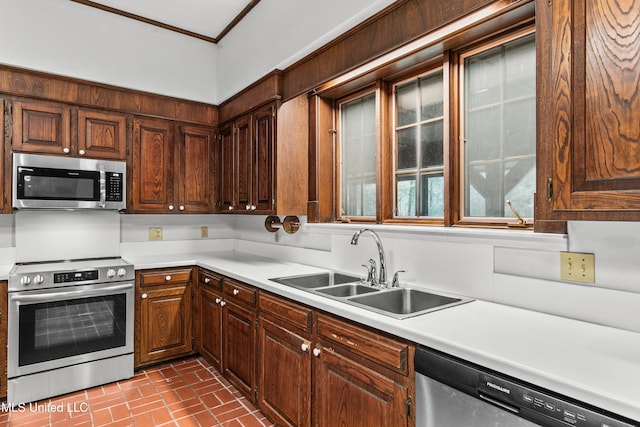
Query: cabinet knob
[(236, 292), (248, 207), (230, 208), (143, 296), (81, 152), (304, 347), (181, 208), (167, 278), (65, 150), (207, 280), (218, 300), (253, 207), (170, 207), (223, 303), (316, 352)]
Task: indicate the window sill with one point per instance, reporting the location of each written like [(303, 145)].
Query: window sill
[(520, 239)]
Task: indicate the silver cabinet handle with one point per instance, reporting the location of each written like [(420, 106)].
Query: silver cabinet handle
[(223, 303), (143, 296), (304, 347), (207, 280), (316, 352), (236, 292), (167, 278), (81, 152), (170, 207), (218, 300), (181, 208), (230, 208), (65, 150)]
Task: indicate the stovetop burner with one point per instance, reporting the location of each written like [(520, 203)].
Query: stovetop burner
[(54, 274)]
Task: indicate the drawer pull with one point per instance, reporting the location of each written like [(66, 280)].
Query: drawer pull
[(223, 303), (218, 300), (304, 347), (167, 278), (207, 280), (143, 296), (236, 292), (316, 352)]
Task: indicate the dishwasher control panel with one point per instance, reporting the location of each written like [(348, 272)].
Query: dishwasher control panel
[(512, 395)]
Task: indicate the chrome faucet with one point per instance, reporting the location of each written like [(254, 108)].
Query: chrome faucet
[(382, 278)]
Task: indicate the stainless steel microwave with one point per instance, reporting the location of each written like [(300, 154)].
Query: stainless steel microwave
[(54, 182)]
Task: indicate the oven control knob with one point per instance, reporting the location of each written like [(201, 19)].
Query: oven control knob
[(111, 273), (38, 279), (25, 280), (121, 272)]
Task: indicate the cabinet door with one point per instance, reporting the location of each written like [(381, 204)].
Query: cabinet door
[(264, 135), (102, 135), (239, 347), (594, 129), (350, 394), (152, 183), (41, 127), (195, 177), (3, 338), (211, 327), (165, 322), (284, 382), (243, 163), (226, 169)]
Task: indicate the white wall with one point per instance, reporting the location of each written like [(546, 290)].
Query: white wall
[(277, 33), (66, 38)]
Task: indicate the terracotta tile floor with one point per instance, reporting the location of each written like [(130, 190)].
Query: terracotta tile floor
[(183, 393)]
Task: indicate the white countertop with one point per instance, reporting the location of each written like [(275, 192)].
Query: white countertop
[(595, 364)]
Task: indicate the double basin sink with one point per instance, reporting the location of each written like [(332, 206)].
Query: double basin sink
[(395, 302)]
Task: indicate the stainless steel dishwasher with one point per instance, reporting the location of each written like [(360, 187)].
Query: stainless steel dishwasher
[(454, 393)]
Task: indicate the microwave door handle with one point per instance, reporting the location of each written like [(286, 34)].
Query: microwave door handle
[(103, 187)]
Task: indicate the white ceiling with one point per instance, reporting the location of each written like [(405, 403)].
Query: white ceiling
[(205, 17)]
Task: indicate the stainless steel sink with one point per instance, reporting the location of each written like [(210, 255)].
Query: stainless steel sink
[(318, 280), (348, 290), (405, 302)]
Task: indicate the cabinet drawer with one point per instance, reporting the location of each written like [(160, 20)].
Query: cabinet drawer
[(169, 276), (210, 279), (370, 345), (285, 311), (235, 291)]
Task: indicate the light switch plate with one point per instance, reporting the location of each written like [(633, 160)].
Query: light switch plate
[(155, 233), (204, 232), (577, 267)]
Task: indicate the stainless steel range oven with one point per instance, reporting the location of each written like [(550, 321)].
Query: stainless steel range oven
[(70, 327)]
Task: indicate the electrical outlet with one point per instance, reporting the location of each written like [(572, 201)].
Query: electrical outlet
[(577, 267), (204, 232), (155, 233)]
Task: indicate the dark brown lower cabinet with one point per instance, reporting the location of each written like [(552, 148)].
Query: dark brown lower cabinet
[(351, 394), (210, 342), (239, 347), (284, 354), (163, 305), (329, 372)]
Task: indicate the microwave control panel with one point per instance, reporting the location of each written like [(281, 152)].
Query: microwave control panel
[(114, 187)]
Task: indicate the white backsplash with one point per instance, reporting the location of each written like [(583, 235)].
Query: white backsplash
[(513, 267), (63, 235)]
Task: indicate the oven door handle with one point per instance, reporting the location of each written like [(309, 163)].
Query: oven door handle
[(62, 295)]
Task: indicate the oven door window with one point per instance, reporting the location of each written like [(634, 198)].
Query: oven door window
[(54, 330), (58, 184)]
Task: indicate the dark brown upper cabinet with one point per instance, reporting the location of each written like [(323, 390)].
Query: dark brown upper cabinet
[(246, 163), (589, 141), (41, 127), (102, 135), (172, 167)]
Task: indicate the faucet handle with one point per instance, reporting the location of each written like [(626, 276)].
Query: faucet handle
[(395, 283), (372, 279)]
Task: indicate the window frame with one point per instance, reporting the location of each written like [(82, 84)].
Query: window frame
[(450, 62)]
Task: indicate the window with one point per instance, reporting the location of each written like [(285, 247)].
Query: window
[(499, 117), (459, 136), (358, 156), (419, 138)]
